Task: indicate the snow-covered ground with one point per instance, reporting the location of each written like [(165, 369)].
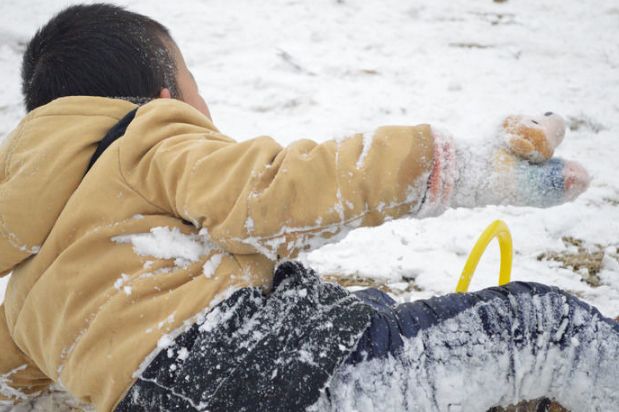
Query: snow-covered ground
[(322, 69)]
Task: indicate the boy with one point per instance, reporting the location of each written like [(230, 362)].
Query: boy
[(131, 328)]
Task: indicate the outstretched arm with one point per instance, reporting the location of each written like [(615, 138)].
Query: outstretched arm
[(259, 197)]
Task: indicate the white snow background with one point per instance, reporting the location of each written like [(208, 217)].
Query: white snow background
[(326, 68)]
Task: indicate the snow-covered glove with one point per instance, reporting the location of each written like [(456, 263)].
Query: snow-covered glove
[(515, 168)]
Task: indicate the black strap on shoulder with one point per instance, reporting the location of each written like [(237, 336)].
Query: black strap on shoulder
[(111, 136)]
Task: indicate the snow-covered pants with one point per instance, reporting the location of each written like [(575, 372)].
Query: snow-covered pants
[(474, 351), (254, 352), (311, 344)]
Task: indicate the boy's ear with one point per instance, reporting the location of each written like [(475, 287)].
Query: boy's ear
[(165, 93)]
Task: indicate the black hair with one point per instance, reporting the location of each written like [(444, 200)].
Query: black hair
[(98, 50)]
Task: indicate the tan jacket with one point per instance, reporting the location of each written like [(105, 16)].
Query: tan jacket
[(83, 308)]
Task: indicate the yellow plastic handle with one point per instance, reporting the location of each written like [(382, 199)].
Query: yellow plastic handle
[(497, 229)]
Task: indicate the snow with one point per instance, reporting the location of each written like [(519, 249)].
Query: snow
[(368, 139), (182, 354), (168, 243), (295, 69), (211, 265), (164, 341), (121, 281)]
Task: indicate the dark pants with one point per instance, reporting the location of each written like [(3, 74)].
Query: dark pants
[(474, 351), (313, 343)]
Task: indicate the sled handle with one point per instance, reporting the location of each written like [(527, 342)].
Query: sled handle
[(497, 229)]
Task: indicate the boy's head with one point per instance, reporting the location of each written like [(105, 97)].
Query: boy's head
[(104, 50)]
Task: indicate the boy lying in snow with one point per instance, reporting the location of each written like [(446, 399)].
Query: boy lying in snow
[(85, 170)]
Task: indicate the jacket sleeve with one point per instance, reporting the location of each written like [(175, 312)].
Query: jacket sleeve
[(20, 379), (256, 196)]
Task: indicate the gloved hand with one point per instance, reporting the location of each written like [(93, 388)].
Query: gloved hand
[(515, 169)]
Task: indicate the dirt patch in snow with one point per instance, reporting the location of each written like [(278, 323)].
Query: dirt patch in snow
[(538, 405), (397, 288), (587, 261), (583, 121)]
